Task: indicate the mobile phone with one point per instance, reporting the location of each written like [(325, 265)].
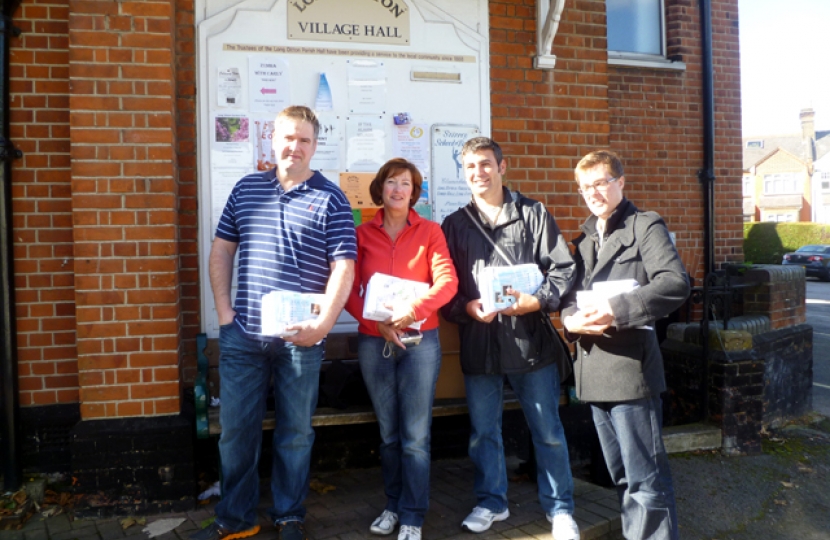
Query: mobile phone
[(411, 337)]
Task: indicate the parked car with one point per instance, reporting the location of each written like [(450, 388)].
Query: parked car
[(814, 258)]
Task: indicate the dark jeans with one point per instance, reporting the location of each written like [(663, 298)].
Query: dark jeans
[(246, 367), (631, 437)]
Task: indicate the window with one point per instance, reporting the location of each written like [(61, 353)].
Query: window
[(782, 184), (825, 181), (780, 217), (636, 26), (754, 144), (747, 190)]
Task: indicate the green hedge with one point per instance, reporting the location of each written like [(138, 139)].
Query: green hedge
[(766, 243)]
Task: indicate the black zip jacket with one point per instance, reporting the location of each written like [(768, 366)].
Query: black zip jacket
[(528, 233)]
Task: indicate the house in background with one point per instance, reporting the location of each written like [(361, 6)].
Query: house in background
[(787, 177)]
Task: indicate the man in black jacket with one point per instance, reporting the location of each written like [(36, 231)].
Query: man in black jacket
[(515, 342), (618, 367)]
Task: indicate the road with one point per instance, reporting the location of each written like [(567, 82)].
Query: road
[(818, 316)]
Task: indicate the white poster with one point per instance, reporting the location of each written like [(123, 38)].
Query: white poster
[(229, 87), (365, 143), (367, 87), (411, 142), (263, 133), (449, 188), (324, 101), (230, 158), (327, 156), (269, 89)]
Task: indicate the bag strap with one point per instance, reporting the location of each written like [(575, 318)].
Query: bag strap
[(501, 253)]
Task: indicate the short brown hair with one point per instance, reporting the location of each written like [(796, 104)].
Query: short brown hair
[(480, 144), (391, 168), (608, 158), (301, 113)]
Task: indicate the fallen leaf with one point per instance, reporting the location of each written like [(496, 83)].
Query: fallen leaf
[(788, 484), (803, 469), (126, 523), (320, 487), (19, 497), (779, 502)]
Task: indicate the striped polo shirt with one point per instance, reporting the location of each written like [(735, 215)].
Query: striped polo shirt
[(286, 239)]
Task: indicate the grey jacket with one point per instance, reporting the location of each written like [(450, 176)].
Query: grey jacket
[(626, 364), (527, 233)]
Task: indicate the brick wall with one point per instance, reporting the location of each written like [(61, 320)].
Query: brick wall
[(546, 120), (125, 200), (185, 61), (105, 198), (657, 127), (42, 205)]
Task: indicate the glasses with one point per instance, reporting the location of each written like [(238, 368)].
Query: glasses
[(599, 185)]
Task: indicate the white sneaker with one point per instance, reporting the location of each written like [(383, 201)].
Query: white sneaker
[(480, 519), (409, 532), (564, 527), (385, 523)]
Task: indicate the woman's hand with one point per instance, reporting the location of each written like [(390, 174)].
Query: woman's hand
[(402, 320), (390, 333)]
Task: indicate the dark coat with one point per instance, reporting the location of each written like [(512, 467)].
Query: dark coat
[(627, 363), (528, 233)]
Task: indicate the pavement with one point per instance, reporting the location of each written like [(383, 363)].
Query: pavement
[(779, 495)]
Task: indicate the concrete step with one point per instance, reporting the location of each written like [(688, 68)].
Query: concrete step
[(691, 437)]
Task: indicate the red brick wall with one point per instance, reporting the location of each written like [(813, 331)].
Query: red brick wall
[(105, 198), (188, 231), (42, 205), (125, 198), (657, 127), (546, 120)]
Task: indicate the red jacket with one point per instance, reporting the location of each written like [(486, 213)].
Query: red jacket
[(420, 253)]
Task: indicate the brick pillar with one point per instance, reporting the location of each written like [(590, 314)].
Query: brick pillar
[(779, 294), (124, 201)]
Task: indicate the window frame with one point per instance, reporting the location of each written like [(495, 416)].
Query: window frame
[(647, 60), (797, 183)]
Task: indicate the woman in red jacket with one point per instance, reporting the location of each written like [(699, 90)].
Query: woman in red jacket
[(401, 377)]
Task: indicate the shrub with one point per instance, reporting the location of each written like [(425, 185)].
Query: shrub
[(766, 243)]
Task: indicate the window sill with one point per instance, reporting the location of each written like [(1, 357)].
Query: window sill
[(615, 59)]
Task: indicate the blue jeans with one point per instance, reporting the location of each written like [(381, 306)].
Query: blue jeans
[(538, 393), (630, 434), (402, 388), (246, 367)]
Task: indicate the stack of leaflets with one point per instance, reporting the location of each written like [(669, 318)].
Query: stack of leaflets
[(494, 282), (603, 290), (285, 308), (388, 295)]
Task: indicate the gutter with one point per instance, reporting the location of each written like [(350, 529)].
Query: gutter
[(9, 397), (706, 175)]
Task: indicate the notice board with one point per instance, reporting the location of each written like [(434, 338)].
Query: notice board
[(382, 77)]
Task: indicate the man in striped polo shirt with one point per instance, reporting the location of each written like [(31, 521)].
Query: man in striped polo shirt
[(293, 230)]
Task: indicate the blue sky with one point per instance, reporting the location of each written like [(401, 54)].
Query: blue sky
[(785, 64)]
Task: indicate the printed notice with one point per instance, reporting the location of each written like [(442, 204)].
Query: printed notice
[(367, 87), (449, 188), (228, 87), (365, 143), (411, 142), (230, 158), (324, 101), (268, 84), (356, 188), (327, 155)]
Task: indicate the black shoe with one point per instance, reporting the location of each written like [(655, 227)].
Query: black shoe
[(215, 532), (290, 530)]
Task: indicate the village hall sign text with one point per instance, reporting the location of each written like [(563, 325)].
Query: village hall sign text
[(356, 21)]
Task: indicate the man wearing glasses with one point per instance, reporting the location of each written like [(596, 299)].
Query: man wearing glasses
[(618, 367)]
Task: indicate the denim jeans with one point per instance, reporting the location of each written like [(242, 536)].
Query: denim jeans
[(631, 439), (538, 394), (402, 388), (246, 367)]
